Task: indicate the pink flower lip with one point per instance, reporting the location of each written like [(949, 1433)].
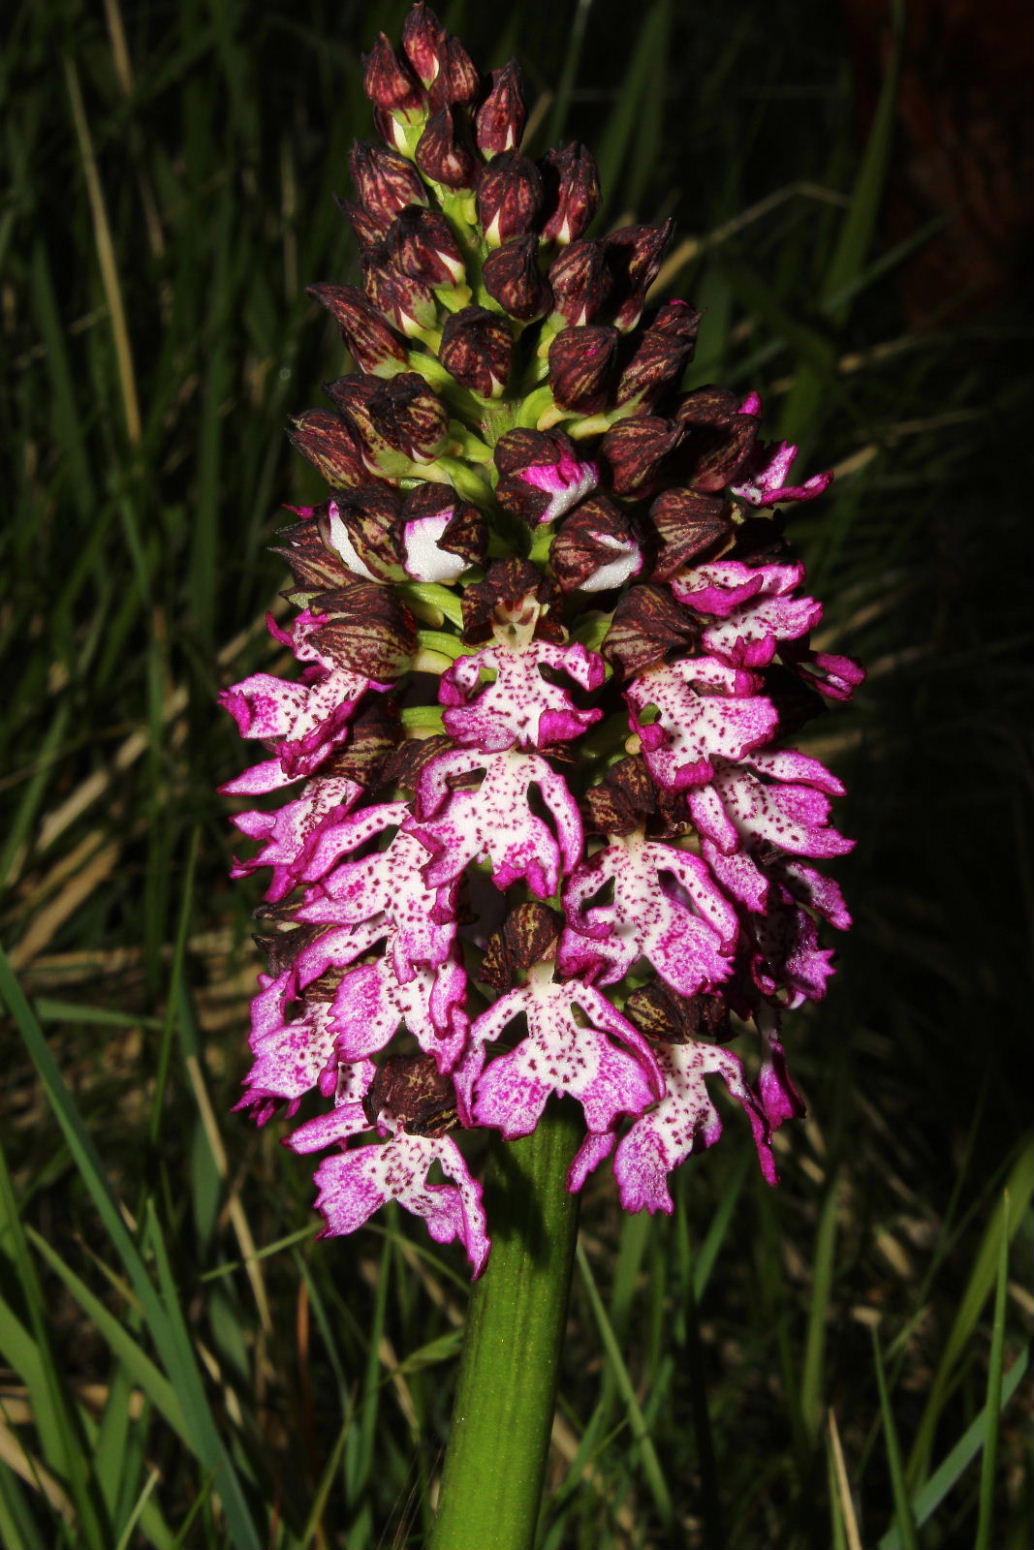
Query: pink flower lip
[(565, 482)]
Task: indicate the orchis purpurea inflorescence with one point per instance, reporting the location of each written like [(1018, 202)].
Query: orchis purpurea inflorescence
[(542, 833)]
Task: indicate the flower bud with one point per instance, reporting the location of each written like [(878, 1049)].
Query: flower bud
[(581, 365), (623, 798), (572, 193), (477, 348), (414, 418), (509, 196), (541, 475), (386, 182), (423, 247), (331, 446), (512, 277), (367, 230), (635, 450), (579, 281), (314, 564), (529, 935), (500, 119), (403, 414), (458, 81), (366, 629), (410, 1091), (369, 339), (691, 526), (361, 528), (634, 258), (596, 548), (647, 624), (441, 153), (423, 41), (663, 353), (441, 535), (405, 302), (512, 593), (668, 1018), (356, 396), (389, 84)]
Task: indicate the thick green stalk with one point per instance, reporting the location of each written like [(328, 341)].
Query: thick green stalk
[(501, 1423)]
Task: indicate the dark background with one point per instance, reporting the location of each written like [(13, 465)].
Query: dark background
[(170, 172)]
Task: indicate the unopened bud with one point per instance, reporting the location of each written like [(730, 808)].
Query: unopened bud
[(579, 281), (442, 154), (596, 548), (662, 355), (331, 446), (635, 449), (415, 419), (423, 246), (374, 346), (368, 230), (581, 367), (509, 196), (405, 302), (389, 84), (458, 82), (386, 181), (403, 414), (634, 255), (572, 193), (477, 349), (691, 526), (424, 40), (512, 277), (501, 117)]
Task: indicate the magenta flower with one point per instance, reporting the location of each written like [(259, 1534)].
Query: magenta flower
[(683, 1122), (354, 1185), (602, 1060), (550, 635), (520, 708), (686, 928)]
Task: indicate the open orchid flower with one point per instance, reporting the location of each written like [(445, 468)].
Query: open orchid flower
[(539, 825)]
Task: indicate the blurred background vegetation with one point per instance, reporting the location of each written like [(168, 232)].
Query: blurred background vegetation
[(841, 1362)]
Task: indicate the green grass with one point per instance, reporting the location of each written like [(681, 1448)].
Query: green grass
[(840, 1362)]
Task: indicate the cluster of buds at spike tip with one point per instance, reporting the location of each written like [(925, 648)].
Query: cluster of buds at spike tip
[(541, 831)]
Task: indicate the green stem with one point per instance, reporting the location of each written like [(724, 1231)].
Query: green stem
[(496, 1457)]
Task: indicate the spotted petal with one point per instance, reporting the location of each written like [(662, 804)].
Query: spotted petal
[(753, 606), (685, 927), (372, 1003), (291, 833), (520, 708), (683, 1122), (495, 823), (606, 1063), (355, 1184), (705, 710)]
